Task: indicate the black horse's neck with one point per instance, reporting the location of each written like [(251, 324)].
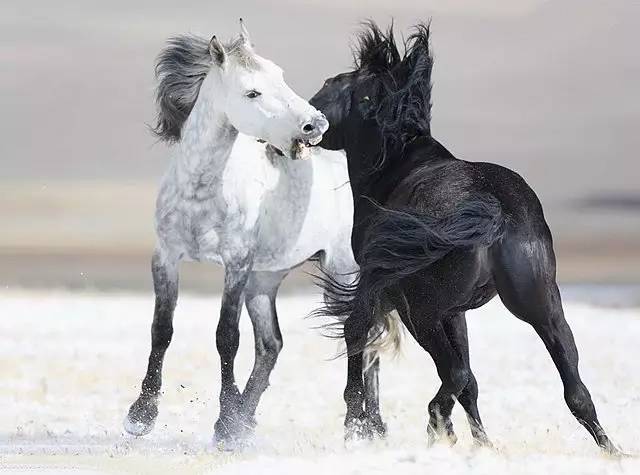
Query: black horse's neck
[(374, 176)]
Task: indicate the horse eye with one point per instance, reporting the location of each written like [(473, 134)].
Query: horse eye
[(253, 94)]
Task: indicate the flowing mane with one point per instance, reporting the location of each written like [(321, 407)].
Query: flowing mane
[(402, 104), (376, 50), (180, 69)]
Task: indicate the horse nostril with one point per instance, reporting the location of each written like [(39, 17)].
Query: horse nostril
[(322, 124), (308, 128)]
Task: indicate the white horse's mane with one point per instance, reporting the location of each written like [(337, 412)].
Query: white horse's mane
[(180, 69)]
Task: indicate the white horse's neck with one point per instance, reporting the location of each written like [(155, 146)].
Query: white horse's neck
[(207, 138)]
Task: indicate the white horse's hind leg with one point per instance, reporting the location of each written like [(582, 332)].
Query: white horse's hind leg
[(260, 300), (143, 412)]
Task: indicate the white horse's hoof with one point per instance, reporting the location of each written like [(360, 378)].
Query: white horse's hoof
[(137, 428)]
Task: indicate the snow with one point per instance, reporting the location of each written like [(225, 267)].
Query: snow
[(71, 363)]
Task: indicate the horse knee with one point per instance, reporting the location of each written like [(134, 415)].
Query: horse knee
[(161, 334), (227, 339)]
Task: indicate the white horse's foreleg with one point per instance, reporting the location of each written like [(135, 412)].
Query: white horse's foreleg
[(260, 298), (227, 427), (143, 412)]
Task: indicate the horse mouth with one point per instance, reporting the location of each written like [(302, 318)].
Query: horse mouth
[(300, 149)]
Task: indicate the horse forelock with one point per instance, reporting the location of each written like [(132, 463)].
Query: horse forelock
[(180, 69), (376, 50), (402, 83)]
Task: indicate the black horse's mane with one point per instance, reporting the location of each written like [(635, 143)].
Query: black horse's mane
[(402, 82)]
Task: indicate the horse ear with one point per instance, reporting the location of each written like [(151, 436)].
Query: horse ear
[(244, 35), (217, 51)]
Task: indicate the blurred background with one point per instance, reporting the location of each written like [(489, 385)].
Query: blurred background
[(547, 88)]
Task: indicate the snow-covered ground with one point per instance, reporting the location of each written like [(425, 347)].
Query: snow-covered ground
[(71, 363)]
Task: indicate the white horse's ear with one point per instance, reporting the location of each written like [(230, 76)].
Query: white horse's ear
[(244, 35), (217, 51)]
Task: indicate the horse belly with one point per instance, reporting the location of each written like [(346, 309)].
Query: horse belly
[(281, 251)]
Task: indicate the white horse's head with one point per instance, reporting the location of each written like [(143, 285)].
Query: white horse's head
[(252, 93)]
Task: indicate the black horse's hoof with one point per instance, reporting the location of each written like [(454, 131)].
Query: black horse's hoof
[(141, 417), (482, 442), (444, 435), (376, 426), (357, 428), (612, 451)]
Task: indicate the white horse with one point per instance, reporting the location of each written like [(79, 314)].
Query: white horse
[(230, 199)]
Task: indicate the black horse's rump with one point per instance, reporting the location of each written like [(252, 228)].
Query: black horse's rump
[(400, 243), (435, 236)]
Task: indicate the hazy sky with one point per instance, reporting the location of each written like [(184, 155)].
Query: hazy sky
[(547, 88)]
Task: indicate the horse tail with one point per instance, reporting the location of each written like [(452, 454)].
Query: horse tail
[(398, 244)]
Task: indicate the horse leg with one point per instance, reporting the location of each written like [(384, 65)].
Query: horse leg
[(525, 280), (356, 329), (454, 374), (371, 393), (260, 300), (411, 300), (143, 412), (456, 329), (344, 272), (440, 426), (228, 427)]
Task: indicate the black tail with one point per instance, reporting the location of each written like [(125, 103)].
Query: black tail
[(400, 243)]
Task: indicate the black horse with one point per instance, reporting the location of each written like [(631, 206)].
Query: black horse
[(435, 236)]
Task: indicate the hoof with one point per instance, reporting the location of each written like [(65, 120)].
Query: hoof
[(376, 426), (612, 451), (444, 435), (137, 428), (480, 437), (357, 428), (233, 433), (482, 443), (141, 418), (233, 444)]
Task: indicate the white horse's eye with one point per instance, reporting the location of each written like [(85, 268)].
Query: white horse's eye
[(252, 94)]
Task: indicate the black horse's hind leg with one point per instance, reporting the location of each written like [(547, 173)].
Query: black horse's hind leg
[(260, 299), (356, 329), (229, 426), (525, 278), (456, 329), (428, 328), (440, 426), (143, 412), (372, 393), (455, 375)]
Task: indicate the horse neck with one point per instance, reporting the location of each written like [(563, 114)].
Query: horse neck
[(374, 179), (365, 167), (206, 142)]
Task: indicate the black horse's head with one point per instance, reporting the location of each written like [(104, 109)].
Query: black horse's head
[(387, 95)]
